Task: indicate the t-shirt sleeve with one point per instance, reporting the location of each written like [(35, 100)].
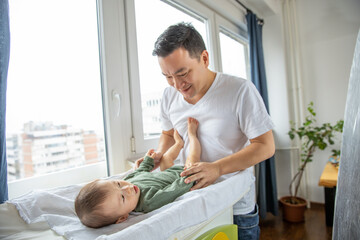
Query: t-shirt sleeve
[(254, 119), (166, 124)]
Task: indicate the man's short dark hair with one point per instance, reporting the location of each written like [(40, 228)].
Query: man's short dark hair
[(177, 36)]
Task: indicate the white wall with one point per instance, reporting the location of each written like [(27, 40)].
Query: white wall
[(327, 33), (274, 53)]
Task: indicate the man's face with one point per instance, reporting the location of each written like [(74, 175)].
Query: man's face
[(122, 199), (186, 74)]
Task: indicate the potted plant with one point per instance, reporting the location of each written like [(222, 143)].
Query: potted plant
[(313, 137)]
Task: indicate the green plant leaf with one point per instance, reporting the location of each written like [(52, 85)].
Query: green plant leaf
[(313, 137)]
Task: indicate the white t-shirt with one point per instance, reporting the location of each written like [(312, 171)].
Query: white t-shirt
[(229, 114)]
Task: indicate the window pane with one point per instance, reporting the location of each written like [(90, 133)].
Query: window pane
[(152, 83), (232, 56), (54, 117)]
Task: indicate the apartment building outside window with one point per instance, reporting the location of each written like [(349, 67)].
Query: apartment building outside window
[(54, 118)]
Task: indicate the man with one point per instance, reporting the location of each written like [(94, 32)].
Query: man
[(235, 128)]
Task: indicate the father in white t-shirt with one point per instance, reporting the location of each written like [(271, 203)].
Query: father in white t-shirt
[(234, 126)]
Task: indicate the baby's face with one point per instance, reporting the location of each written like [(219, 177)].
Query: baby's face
[(122, 198)]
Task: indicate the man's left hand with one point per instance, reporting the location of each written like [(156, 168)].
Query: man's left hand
[(203, 173)]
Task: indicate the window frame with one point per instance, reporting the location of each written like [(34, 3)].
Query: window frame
[(110, 15), (140, 145), (66, 177), (119, 77), (125, 143), (237, 32), (214, 23)]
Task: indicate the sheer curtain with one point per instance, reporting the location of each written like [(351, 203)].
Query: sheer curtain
[(4, 64), (266, 179), (347, 204)]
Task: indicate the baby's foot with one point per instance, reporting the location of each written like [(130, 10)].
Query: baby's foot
[(178, 139), (187, 165), (192, 126)]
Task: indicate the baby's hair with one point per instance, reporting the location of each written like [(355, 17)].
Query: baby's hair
[(87, 205)]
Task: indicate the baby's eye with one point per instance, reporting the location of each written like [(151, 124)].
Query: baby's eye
[(123, 198), (119, 185)]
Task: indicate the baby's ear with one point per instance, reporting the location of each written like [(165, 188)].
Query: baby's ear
[(122, 218)]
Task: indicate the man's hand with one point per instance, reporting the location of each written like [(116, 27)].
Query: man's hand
[(203, 173)]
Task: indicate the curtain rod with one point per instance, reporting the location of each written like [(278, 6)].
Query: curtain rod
[(249, 10)]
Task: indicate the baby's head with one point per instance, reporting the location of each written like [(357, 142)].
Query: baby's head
[(104, 202)]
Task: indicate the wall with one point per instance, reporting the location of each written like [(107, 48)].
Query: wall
[(328, 31), (327, 34), (274, 53)]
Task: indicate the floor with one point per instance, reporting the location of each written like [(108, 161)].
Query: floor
[(313, 228)]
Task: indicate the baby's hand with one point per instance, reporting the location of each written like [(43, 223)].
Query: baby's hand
[(151, 153)]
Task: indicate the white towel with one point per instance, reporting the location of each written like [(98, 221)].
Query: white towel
[(56, 207)]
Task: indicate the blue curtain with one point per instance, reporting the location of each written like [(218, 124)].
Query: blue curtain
[(266, 181), (4, 64)]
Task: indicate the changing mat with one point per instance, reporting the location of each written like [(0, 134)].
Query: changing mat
[(56, 207)]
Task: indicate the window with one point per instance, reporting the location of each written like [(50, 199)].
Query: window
[(233, 55), (222, 37), (54, 118), (147, 82), (60, 96)]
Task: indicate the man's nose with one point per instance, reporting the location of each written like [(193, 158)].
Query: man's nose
[(178, 83)]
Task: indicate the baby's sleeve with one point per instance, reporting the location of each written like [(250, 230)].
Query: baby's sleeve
[(147, 165)]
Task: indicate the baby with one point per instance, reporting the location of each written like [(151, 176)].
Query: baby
[(105, 202)]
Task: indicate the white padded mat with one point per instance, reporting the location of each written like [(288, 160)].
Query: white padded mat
[(56, 207)]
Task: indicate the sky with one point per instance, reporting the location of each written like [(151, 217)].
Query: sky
[(54, 64), (54, 60), (54, 70)]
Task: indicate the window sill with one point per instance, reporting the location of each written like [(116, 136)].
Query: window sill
[(62, 178)]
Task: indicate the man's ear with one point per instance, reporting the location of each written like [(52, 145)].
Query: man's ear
[(122, 218), (205, 58)]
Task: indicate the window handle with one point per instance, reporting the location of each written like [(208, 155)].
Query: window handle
[(116, 97)]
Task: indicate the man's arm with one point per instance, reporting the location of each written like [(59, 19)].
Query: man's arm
[(260, 149), (165, 142)]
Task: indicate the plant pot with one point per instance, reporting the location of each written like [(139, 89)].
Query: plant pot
[(293, 212)]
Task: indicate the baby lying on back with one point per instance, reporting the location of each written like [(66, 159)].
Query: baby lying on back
[(104, 202)]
